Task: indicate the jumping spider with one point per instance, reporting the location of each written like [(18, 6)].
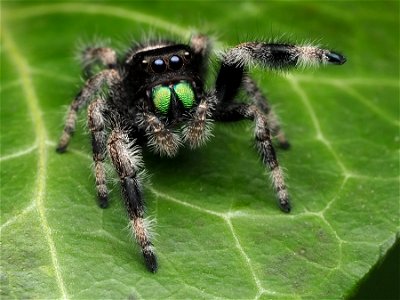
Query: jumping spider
[(155, 96)]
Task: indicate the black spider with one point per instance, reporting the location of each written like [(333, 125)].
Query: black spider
[(155, 96)]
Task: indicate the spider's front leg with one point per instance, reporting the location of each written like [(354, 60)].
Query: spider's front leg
[(92, 88), (236, 112), (270, 56), (127, 161)]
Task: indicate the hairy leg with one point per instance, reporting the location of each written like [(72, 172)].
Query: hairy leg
[(127, 161), (254, 92), (91, 89), (92, 56), (200, 45), (270, 56), (236, 112), (96, 124)]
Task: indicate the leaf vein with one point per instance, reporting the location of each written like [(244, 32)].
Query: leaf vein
[(19, 153), (319, 134), (15, 218), (32, 102)]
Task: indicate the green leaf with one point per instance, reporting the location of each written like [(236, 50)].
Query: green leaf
[(219, 231)]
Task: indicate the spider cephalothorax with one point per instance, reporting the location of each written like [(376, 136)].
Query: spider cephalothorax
[(155, 97)]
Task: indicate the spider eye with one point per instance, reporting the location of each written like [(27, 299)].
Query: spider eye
[(185, 94), (187, 55), (175, 62), (158, 65), (144, 63), (161, 96)]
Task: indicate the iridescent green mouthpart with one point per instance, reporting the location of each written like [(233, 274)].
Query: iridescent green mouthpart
[(185, 94), (162, 95), (162, 98)]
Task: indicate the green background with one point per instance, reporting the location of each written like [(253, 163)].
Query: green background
[(219, 231)]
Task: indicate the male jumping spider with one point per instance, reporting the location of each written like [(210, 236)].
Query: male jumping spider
[(155, 96)]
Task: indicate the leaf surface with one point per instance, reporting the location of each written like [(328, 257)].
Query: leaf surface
[(219, 231)]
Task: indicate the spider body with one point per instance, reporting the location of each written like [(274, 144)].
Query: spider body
[(155, 96)]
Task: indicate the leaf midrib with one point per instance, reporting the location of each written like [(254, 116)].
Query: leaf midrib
[(41, 135)]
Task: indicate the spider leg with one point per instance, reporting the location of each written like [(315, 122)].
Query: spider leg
[(271, 56), (96, 124), (159, 138), (127, 161), (254, 92), (197, 130), (92, 87), (91, 56), (236, 112), (200, 45)]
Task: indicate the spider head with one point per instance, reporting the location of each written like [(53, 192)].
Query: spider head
[(166, 76)]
